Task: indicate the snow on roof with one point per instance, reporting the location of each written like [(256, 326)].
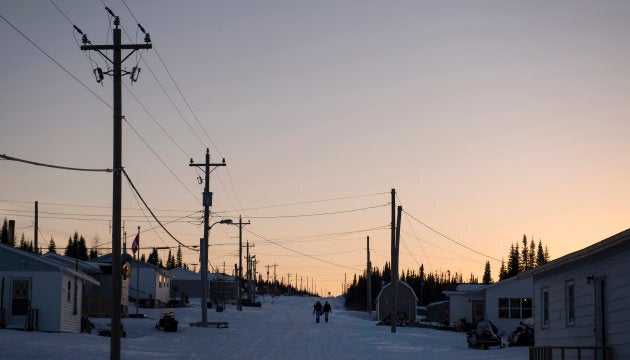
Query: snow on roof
[(85, 266), (469, 287), (49, 262)]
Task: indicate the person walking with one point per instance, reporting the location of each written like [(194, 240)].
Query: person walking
[(327, 309), (317, 310)]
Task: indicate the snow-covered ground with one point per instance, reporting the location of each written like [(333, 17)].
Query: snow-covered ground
[(283, 328)]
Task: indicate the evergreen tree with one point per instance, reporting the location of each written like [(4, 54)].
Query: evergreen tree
[(170, 261), (487, 276), (514, 261), (540, 254), (81, 248), (4, 235), (154, 257), (142, 258), (93, 254), (524, 255), (532, 253), (71, 248), (502, 271), (179, 261), (473, 279), (547, 258)]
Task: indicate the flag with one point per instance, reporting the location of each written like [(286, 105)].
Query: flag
[(136, 244)]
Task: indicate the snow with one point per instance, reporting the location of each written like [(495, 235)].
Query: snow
[(283, 328)]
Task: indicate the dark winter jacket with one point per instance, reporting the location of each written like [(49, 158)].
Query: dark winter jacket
[(317, 307), (327, 308)]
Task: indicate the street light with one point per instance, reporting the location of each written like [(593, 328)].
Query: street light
[(204, 271)]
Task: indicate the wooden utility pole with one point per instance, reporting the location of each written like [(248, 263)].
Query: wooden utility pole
[(207, 203), (369, 278), (393, 283), (116, 73), (275, 279), (35, 248), (239, 302)]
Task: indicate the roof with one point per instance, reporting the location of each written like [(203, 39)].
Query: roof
[(401, 283), (85, 266), (615, 240), (185, 274), (107, 259), (54, 264)]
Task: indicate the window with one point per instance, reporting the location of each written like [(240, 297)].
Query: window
[(21, 297), (515, 308), (544, 311), (69, 290), (504, 308), (569, 295), (526, 307)]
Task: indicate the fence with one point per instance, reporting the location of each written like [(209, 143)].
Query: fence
[(571, 352)]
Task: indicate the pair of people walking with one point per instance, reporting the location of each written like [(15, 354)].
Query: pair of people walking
[(318, 308)]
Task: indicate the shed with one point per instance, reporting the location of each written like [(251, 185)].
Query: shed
[(99, 300), (38, 293), (407, 301), (583, 299)]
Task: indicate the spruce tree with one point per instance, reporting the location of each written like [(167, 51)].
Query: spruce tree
[(487, 275), (154, 257), (179, 261), (502, 271), (525, 255), (4, 235), (532, 253)]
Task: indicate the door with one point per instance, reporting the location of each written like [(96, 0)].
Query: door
[(600, 316), (478, 311), (20, 300)]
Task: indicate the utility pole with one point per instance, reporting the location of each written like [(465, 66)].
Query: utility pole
[(289, 284), (116, 74), (275, 279), (239, 302), (207, 202), (369, 279), (267, 266), (392, 272), (36, 228), (395, 271)]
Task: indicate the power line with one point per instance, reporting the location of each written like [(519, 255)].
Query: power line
[(318, 214), (56, 62), (448, 238), (11, 158), (91, 206), (299, 252), (151, 212)]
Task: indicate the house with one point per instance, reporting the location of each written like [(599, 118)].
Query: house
[(39, 293), (407, 301), (147, 283), (505, 303), (583, 299), (221, 288), (99, 300)]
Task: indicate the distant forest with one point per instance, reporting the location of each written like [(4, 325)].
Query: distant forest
[(429, 287)]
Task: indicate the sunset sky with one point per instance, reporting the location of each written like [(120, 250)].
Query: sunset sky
[(491, 119)]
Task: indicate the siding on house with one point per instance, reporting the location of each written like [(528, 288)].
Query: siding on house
[(607, 260)]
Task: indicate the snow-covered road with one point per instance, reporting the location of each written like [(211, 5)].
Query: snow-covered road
[(282, 329)]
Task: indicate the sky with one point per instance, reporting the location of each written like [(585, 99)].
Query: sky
[(491, 119), (283, 328)]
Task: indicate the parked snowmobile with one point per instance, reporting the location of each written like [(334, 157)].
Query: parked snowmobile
[(523, 335), (484, 336), (168, 322)]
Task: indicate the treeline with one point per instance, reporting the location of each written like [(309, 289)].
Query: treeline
[(429, 287), (77, 248)]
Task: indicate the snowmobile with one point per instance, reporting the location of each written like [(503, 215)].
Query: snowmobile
[(484, 336), (523, 335), (168, 322)]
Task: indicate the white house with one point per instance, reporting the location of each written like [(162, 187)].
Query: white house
[(583, 300), (40, 293), (505, 303), (221, 287), (148, 283)]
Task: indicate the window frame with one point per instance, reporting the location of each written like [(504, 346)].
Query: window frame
[(544, 308), (569, 303)]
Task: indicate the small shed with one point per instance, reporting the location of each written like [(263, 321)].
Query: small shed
[(437, 312), (99, 300), (407, 301), (38, 293)]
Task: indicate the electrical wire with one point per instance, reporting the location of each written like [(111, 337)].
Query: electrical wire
[(318, 214), (151, 212), (55, 61), (11, 158), (449, 239), (299, 252)]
